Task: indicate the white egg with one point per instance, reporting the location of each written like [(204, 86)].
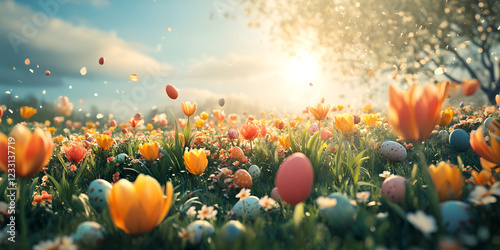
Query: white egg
[(252, 207), (254, 171), (198, 229), (89, 233), (120, 158), (393, 151), (98, 190)]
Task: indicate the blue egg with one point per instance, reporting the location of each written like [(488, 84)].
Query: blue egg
[(341, 215), (120, 158), (232, 230), (488, 121), (455, 215), (462, 104), (459, 140)]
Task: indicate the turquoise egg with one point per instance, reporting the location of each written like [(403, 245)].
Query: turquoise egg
[(459, 140), (120, 158), (233, 230), (455, 215), (488, 121), (198, 230), (342, 214)]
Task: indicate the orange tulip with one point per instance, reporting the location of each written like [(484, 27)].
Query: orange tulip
[(188, 108), (105, 141), (490, 155), (137, 208), (149, 150), (344, 123), (483, 178), (448, 181), (30, 153), (204, 115), (249, 131), (319, 112), (75, 152), (497, 100), (279, 124), (414, 113), (469, 87), (446, 117), (195, 161), (368, 108), (284, 141), (27, 112)]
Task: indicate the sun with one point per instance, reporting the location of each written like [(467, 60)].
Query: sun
[(303, 68)]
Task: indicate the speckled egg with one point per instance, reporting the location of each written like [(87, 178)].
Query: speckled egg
[(455, 215), (393, 151), (120, 158), (313, 128), (342, 214), (198, 229), (459, 140), (254, 171), (237, 153), (89, 233), (393, 188), (242, 179), (252, 207), (233, 230), (233, 134), (443, 136), (488, 121), (295, 178), (98, 190), (275, 194)]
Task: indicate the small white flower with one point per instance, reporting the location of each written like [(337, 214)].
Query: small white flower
[(382, 216), (482, 196), (207, 213), (244, 193), (267, 202), (423, 222), (61, 243), (385, 174), (325, 202), (191, 212), (363, 196)]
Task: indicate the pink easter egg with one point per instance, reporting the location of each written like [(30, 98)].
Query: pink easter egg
[(313, 128), (295, 178), (233, 134), (274, 194), (101, 60), (172, 92), (393, 188)]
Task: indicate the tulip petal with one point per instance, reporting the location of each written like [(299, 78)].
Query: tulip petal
[(479, 145), (122, 197), (167, 202), (150, 196)]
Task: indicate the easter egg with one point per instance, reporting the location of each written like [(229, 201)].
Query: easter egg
[(488, 121), (237, 153), (252, 207), (443, 136), (393, 188), (313, 128), (47, 73), (274, 194), (198, 229), (242, 179), (233, 134), (254, 171), (295, 178), (459, 140), (342, 214), (455, 215), (393, 151), (98, 190), (462, 104), (1, 112), (101, 60), (233, 230), (172, 92), (120, 158), (222, 102), (89, 233)]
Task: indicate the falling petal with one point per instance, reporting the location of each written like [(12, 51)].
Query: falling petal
[(83, 71), (134, 78), (27, 61)]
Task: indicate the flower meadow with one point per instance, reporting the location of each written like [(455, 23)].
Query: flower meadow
[(418, 175)]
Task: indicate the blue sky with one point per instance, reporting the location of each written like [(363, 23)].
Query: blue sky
[(205, 55)]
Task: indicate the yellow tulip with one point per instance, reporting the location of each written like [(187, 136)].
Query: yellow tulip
[(29, 152), (188, 108), (370, 119), (195, 161), (446, 117), (344, 123), (448, 181), (149, 151), (284, 141), (9, 121), (27, 112), (104, 141), (150, 126), (204, 115), (319, 111), (199, 123), (137, 208), (368, 108), (414, 113)]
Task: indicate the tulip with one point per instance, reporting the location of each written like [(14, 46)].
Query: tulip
[(483, 178), (249, 131), (104, 141), (149, 151), (344, 123), (27, 112), (204, 115), (284, 141), (199, 123), (75, 153), (368, 108), (490, 155), (188, 108), (31, 151), (497, 100), (64, 107), (469, 87), (414, 113), (195, 161), (279, 124), (137, 208), (448, 181), (370, 119), (319, 112), (446, 117)]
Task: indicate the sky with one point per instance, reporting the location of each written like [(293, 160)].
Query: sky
[(189, 44)]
